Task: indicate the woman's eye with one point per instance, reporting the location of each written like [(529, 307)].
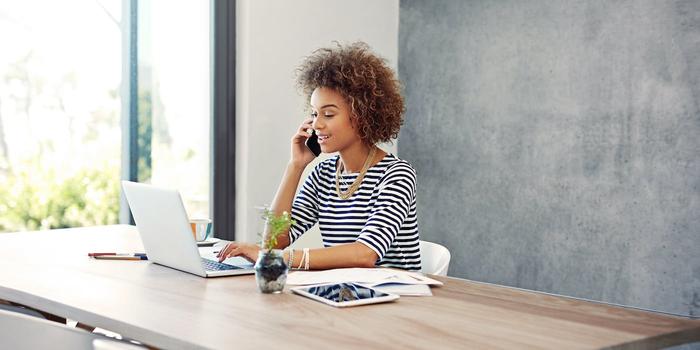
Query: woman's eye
[(315, 115)]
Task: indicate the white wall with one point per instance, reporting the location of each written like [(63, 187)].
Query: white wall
[(273, 37)]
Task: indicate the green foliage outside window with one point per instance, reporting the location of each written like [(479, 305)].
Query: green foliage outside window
[(44, 199)]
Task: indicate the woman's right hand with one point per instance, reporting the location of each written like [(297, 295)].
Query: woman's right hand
[(302, 155), (247, 251)]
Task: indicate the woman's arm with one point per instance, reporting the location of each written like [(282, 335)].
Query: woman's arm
[(284, 198), (301, 156), (344, 255)]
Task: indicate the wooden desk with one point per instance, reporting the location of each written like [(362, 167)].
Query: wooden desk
[(166, 308)]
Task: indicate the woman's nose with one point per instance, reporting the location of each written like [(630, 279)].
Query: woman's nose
[(317, 124)]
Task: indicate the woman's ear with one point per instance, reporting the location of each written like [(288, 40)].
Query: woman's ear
[(355, 123)]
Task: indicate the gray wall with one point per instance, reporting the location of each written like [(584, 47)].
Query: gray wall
[(557, 143)]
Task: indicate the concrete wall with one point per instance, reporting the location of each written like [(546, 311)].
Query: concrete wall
[(557, 143), (272, 39)]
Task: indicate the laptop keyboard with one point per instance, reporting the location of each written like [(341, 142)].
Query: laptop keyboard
[(211, 265)]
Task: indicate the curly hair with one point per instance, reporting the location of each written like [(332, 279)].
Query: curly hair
[(367, 83)]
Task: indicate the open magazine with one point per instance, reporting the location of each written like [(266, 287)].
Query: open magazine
[(387, 280)]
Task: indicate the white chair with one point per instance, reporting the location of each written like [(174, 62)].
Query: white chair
[(435, 258), (21, 310), (20, 331)]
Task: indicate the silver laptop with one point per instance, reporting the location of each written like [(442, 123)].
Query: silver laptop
[(166, 234)]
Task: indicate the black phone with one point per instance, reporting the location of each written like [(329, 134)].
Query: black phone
[(312, 144)]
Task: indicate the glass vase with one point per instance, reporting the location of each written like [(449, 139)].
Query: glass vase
[(271, 271)]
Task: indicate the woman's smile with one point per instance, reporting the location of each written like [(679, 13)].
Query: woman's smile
[(322, 138)]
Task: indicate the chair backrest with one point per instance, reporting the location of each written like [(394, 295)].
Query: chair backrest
[(20, 331), (21, 310), (435, 258)]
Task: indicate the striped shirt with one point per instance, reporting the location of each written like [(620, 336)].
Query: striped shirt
[(381, 214)]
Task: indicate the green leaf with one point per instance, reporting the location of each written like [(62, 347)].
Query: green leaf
[(276, 225)]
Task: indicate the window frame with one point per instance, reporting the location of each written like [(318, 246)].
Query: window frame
[(222, 198)]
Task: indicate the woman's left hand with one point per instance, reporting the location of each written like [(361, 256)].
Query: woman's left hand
[(245, 250)]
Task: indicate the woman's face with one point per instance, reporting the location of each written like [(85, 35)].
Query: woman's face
[(332, 122)]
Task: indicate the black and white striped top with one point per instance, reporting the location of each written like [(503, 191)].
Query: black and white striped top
[(381, 214)]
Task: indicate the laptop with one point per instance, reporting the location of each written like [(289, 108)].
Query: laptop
[(167, 237)]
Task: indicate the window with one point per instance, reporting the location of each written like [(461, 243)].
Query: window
[(174, 99), (60, 134), (62, 124)]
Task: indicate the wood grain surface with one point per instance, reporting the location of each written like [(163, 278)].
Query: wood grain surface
[(166, 308)]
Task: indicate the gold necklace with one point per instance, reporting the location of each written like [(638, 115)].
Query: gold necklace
[(358, 181)]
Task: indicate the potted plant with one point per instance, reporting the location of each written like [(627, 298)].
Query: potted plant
[(270, 268)]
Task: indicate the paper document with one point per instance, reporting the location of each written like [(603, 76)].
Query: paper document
[(417, 290), (400, 282)]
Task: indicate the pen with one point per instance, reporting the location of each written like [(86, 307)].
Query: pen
[(116, 254), (120, 257)]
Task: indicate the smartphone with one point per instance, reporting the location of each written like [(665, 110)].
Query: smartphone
[(344, 294), (312, 144)]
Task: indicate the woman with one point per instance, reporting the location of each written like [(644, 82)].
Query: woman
[(363, 199)]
